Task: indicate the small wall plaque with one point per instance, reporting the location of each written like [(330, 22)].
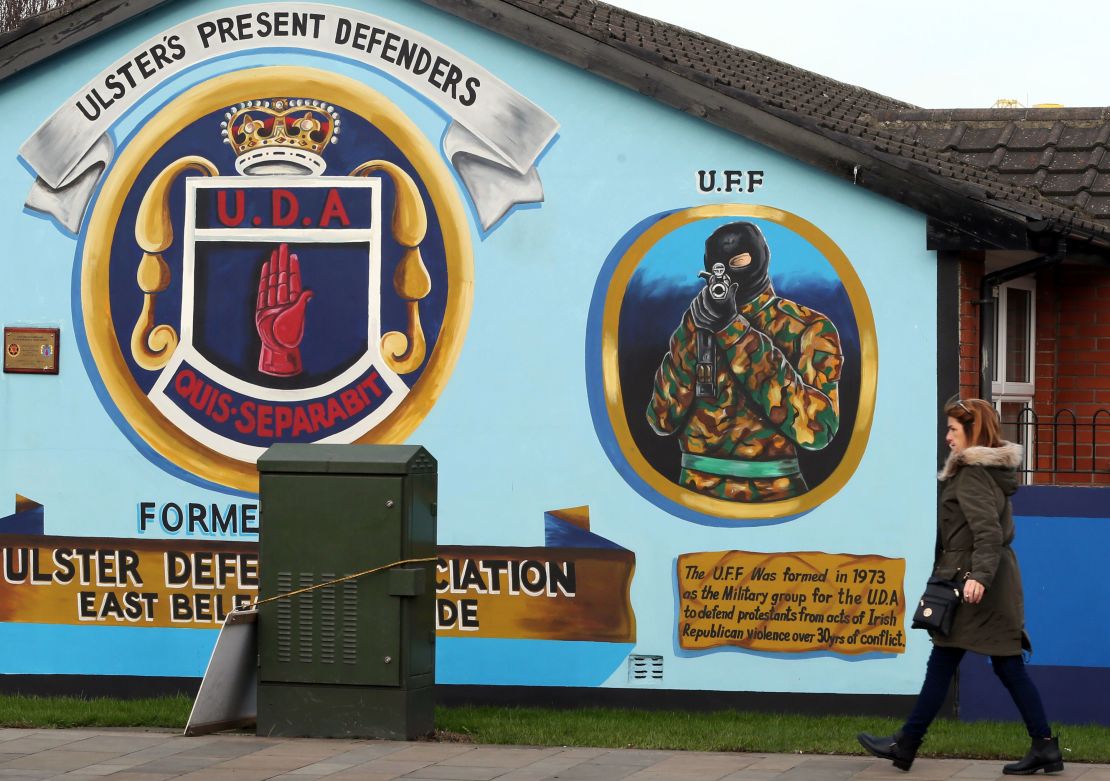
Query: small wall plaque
[(31, 350)]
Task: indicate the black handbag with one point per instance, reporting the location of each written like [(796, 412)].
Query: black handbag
[(937, 607)]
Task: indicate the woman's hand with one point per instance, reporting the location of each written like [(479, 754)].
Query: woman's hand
[(973, 591)]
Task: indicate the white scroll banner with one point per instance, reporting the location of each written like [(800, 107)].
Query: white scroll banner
[(494, 140)]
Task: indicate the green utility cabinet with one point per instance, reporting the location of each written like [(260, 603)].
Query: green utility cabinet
[(356, 659)]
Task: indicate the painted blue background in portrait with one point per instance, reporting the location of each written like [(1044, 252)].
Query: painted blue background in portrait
[(659, 293)]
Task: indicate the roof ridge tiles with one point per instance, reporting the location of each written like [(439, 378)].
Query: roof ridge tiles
[(997, 157), (1006, 134), (958, 131), (1054, 134)]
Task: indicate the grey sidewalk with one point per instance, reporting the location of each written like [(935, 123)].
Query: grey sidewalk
[(131, 755)]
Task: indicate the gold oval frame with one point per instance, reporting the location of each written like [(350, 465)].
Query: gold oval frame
[(614, 399), (219, 92)]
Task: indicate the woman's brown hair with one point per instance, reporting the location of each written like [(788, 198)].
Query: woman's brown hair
[(980, 421)]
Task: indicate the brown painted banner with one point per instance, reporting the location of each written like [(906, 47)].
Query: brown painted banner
[(124, 582), (551, 593), (535, 593), (791, 602)]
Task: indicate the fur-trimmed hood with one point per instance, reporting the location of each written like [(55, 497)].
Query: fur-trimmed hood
[(1006, 456)]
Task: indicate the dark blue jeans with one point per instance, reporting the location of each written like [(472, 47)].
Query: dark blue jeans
[(1009, 669)]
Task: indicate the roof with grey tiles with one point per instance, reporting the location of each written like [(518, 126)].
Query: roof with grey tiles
[(1060, 153)]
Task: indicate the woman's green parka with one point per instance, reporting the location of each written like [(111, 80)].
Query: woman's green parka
[(976, 529)]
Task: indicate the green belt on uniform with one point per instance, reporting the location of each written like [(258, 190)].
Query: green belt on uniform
[(727, 467)]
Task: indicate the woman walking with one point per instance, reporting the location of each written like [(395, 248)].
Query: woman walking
[(976, 528)]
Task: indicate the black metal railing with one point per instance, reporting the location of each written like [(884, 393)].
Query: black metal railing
[(1061, 447)]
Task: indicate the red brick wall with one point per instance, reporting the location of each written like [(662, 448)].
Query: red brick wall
[(1072, 367), (971, 274), (1047, 375), (1081, 309)]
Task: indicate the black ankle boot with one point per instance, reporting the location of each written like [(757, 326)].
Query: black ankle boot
[(1044, 755), (898, 748)]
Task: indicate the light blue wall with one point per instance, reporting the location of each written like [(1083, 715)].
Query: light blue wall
[(512, 431)]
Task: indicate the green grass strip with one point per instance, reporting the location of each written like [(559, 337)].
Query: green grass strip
[(614, 728), (39, 712), (751, 732)]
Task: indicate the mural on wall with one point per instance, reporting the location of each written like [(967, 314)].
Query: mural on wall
[(279, 254), (791, 602), (28, 518), (279, 304), (733, 363), (189, 584), (576, 587), (273, 211), (749, 377), (68, 580)]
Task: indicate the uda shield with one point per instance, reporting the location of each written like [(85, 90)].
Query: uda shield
[(269, 284), (280, 337)]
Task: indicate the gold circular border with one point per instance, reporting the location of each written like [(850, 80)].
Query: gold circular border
[(869, 368), (219, 92)]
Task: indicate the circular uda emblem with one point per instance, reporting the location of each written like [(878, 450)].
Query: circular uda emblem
[(278, 255)]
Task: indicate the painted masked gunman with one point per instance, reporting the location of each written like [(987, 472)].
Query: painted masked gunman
[(749, 378)]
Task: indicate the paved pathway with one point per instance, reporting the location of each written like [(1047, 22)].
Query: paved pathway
[(131, 755)]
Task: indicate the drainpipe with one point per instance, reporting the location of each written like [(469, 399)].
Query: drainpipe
[(987, 303)]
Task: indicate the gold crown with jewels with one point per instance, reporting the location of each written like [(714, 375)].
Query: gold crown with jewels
[(280, 135)]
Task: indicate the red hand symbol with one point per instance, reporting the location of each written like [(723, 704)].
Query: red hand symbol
[(279, 314)]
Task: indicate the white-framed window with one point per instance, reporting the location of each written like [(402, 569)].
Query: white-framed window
[(1015, 371), (1015, 322)]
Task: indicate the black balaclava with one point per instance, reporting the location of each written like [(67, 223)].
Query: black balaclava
[(734, 239)]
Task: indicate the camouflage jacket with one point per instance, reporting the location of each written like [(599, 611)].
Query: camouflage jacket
[(778, 366)]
